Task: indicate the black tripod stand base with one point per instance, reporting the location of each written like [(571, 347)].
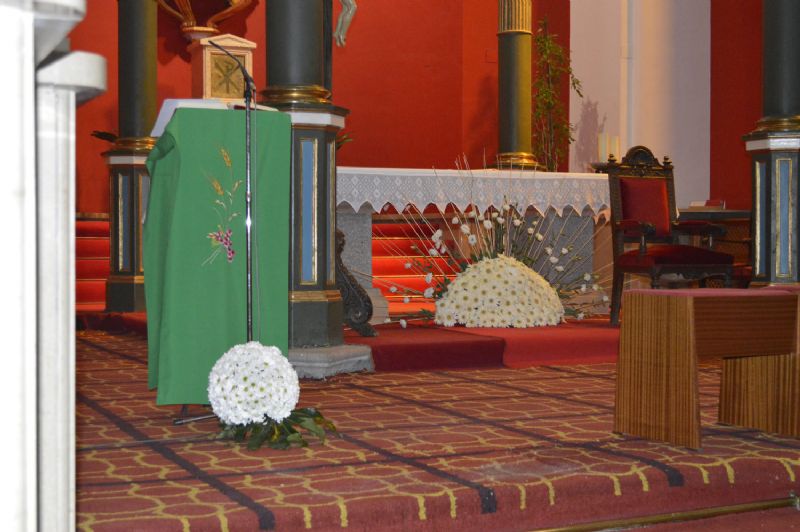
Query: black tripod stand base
[(184, 419)]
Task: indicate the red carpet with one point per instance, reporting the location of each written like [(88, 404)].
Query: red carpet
[(430, 347), (470, 450), (422, 347), (588, 341)]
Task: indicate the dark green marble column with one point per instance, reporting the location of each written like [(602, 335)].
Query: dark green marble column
[(296, 52), (129, 182), (774, 146), (514, 90), (296, 85)]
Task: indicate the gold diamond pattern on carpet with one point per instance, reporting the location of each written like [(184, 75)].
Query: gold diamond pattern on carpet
[(481, 449)]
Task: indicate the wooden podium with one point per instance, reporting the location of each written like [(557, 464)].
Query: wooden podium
[(665, 333)]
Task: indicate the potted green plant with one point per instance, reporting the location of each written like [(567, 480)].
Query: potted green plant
[(552, 131)]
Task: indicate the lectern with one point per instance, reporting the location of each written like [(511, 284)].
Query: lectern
[(194, 245)]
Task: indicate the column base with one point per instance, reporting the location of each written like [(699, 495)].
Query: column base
[(315, 323), (125, 294), (296, 94), (519, 160), (322, 362)]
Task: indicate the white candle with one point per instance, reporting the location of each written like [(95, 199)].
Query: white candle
[(600, 148)]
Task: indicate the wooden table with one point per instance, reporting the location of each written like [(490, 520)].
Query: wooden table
[(665, 333)]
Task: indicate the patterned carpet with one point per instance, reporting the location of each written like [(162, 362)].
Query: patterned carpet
[(480, 449)]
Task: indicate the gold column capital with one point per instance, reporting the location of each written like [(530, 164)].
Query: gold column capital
[(514, 16)]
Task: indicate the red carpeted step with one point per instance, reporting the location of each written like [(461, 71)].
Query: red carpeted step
[(92, 264), (417, 265), (400, 298), (92, 307), (415, 283), (425, 348), (86, 228), (395, 247), (406, 230), (398, 308), (92, 268), (92, 247), (90, 291), (563, 344)]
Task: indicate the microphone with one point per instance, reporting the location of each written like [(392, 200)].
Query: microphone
[(249, 82)]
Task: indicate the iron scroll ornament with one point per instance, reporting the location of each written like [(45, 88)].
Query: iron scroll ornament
[(356, 302)]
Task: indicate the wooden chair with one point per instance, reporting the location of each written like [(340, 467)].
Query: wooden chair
[(643, 210)]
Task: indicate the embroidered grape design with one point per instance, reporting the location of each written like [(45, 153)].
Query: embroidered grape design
[(224, 239)]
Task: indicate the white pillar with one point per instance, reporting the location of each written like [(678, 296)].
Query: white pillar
[(61, 85), (37, 491), (18, 497)]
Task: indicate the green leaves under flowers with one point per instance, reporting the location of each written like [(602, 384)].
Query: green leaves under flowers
[(283, 435)]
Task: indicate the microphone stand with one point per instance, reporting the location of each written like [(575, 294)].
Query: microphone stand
[(249, 89)]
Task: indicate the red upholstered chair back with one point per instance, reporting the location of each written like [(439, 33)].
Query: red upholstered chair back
[(646, 200), (642, 189)]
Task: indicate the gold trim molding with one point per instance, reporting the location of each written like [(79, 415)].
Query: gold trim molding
[(759, 216), (296, 94), (779, 218), (689, 515), (778, 124), (92, 216), (126, 279), (514, 16), (306, 296), (518, 159), (132, 145)]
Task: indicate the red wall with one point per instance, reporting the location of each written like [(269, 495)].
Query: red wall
[(400, 76), (419, 78), (736, 88), (97, 33)]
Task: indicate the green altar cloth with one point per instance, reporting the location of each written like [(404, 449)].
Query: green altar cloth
[(194, 245)]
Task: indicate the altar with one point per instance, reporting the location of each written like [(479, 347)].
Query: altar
[(568, 202)]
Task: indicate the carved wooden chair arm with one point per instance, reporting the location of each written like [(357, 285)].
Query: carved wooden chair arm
[(700, 228), (637, 228)]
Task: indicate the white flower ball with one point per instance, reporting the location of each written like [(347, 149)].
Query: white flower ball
[(252, 382)]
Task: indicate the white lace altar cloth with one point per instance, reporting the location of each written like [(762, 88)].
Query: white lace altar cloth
[(377, 187)]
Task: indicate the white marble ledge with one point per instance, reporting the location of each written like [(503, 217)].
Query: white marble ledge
[(361, 188), (82, 72), (53, 20)]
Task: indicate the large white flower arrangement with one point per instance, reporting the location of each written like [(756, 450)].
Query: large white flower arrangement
[(253, 382), (499, 292)]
